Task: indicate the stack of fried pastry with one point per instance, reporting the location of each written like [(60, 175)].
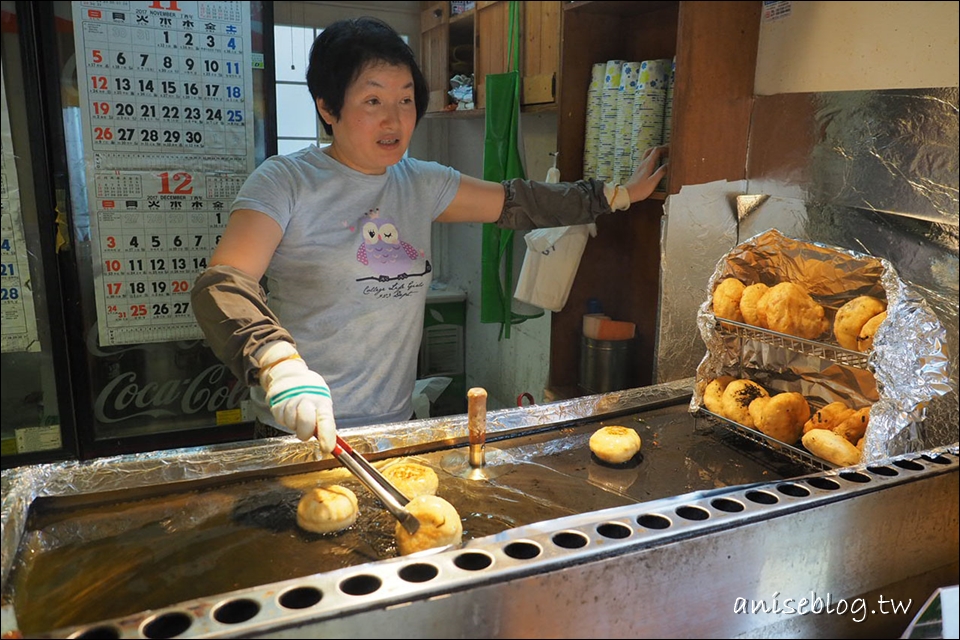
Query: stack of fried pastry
[(836, 433), (745, 402), (785, 307), (857, 321)]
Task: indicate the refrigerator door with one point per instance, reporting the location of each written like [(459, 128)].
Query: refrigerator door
[(37, 423), (159, 112)]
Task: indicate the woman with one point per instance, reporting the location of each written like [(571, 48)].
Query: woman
[(343, 236)]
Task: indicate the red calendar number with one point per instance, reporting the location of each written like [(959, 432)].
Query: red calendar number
[(182, 181)]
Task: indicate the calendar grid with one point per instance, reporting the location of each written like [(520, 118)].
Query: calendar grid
[(166, 93)]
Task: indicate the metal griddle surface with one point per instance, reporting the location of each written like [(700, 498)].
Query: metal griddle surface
[(78, 565)]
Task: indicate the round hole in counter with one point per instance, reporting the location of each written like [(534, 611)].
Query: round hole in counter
[(614, 530), (727, 505), (762, 497), (855, 476), (167, 625), (653, 521), (361, 585), (909, 465), (570, 540), (824, 483), (883, 471), (236, 611), (522, 550), (473, 561), (937, 459), (300, 597), (419, 572), (103, 631), (793, 490), (692, 513)]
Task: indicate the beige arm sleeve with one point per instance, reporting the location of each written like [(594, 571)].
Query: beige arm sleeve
[(231, 308)]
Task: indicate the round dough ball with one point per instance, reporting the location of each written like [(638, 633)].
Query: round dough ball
[(865, 338), (327, 509), (852, 316), (440, 525), (787, 308), (726, 299), (714, 392), (828, 417), (615, 444), (831, 447), (736, 399), (412, 478), (781, 416), (748, 303)]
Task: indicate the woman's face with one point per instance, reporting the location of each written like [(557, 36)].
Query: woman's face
[(377, 120)]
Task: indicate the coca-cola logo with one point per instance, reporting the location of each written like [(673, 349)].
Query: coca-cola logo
[(125, 397)]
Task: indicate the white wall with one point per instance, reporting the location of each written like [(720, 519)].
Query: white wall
[(848, 46)]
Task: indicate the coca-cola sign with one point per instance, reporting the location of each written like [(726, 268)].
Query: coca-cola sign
[(160, 380), (127, 397)]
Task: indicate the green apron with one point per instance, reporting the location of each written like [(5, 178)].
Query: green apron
[(501, 161)]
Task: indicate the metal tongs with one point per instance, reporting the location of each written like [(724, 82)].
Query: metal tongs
[(366, 473)]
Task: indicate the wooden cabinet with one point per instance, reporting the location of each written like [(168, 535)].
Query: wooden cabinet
[(715, 44), (435, 51), (475, 42)]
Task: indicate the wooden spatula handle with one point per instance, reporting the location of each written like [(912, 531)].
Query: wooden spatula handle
[(477, 415)]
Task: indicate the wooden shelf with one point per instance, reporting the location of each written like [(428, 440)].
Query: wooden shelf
[(471, 114), (715, 46)]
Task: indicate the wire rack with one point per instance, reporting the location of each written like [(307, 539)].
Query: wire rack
[(796, 454), (807, 347)]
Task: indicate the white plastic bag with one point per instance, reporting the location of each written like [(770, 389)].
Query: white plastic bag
[(550, 264)]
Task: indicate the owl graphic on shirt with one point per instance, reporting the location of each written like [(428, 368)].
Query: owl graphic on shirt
[(382, 250)]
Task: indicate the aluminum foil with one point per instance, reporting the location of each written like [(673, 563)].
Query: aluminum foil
[(907, 368), (22, 485)]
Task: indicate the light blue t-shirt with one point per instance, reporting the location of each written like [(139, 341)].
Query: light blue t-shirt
[(350, 276)]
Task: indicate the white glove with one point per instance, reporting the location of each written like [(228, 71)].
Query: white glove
[(299, 398)]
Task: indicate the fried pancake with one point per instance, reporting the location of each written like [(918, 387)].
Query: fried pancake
[(852, 316), (615, 444), (714, 392), (787, 308), (736, 399), (865, 338), (829, 416), (781, 416), (726, 299), (440, 525), (748, 303), (327, 509)]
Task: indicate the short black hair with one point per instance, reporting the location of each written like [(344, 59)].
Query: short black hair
[(345, 48)]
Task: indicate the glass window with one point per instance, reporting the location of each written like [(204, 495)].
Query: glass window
[(298, 124)]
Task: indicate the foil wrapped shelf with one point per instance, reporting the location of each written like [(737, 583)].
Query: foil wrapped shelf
[(825, 351)]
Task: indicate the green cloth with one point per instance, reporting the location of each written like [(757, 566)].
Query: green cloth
[(501, 161)]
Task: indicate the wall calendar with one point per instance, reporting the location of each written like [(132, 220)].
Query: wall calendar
[(166, 100)]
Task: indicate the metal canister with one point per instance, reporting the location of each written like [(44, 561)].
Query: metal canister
[(605, 364)]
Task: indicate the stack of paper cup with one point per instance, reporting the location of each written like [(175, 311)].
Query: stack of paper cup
[(591, 143), (668, 108), (608, 119), (623, 145), (648, 106)]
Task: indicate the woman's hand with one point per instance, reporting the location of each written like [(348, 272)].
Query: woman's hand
[(648, 175)]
